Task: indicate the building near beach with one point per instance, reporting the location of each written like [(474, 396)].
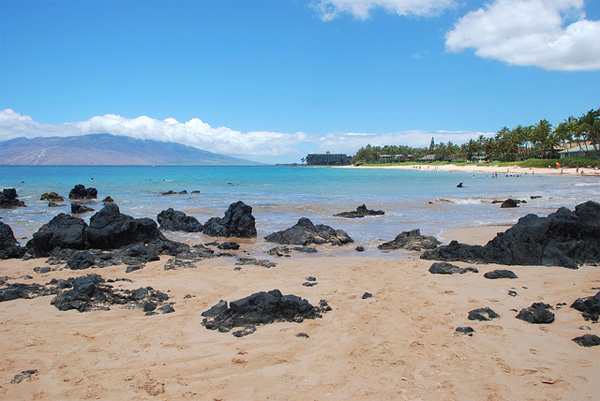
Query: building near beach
[(327, 159)]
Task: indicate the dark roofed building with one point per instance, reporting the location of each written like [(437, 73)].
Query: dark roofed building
[(327, 159)]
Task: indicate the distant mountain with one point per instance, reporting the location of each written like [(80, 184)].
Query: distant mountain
[(106, 149)]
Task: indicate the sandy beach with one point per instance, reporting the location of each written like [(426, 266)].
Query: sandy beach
[(475, 168), (401, 344)]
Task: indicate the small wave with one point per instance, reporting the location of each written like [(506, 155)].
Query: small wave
[(587, 184), (467, 201)]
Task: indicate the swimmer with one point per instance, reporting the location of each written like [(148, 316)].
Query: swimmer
[(460, 185)]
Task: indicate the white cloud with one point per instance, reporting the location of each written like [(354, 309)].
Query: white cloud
[(552, 34), (265, 146), (331, 9)]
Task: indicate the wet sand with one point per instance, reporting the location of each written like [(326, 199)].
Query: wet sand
[(399, 345)]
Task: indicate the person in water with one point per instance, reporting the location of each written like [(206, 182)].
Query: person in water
[(460, 185)]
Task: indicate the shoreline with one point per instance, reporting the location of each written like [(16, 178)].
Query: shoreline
[(488, 169), (404, 336)]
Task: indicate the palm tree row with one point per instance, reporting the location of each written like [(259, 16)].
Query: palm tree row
[(541, 141)]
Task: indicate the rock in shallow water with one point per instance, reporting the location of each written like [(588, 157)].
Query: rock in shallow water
[(306, 233), (411, 240), (565, 238), (237, 222)]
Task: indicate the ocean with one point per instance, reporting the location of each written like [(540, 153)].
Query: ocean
[(280, 195)]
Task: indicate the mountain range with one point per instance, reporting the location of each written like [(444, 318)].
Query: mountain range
[(109, 150)]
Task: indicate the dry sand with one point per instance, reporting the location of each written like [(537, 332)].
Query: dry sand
[(476, 168), (399, 345)]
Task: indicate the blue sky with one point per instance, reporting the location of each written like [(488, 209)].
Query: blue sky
[(274, 80)]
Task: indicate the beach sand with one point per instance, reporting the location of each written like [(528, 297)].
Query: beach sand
[(399, 345), (476, 168)]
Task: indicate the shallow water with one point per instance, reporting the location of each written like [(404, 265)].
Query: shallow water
[(279, 195)]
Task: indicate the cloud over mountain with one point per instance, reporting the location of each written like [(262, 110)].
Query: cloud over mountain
[(262, 146)]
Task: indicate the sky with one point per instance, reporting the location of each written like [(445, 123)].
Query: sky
[(274, 80)]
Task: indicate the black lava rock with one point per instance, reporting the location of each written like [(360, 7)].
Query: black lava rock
[(537, 313), (229, 246), (587, 340), (509, 203), (565, 238), (80, 260), (588, 306), (448, 268), (411, 240), (483, 314), (260, 308), (305, 233), (360, 211), (9, 199), (495, 274), (63, 231), (9, 247), (178, 221), (81, 192), (78, 208), (237, 222), (111, 229), (465, 330)]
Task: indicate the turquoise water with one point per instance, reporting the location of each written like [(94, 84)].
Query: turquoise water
[(423, 199)]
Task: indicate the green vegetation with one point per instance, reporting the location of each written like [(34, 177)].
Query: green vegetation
[(537, 144)]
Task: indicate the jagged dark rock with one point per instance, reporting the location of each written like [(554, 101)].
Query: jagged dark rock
[(261, 308), (229, 246), (465, 330), (9, 292), (280, 251), (537, 313), (588, 306), (25, 374), (9, 247), (448, 268), (78, 208), (306, 233), (495, 274), (80, 260), (367, 295), (509, 203), (52, 197), (565, 238), (63, 231), (360, 211), (411, 240), (483, 314), (110, 229), (80, 192), (174, 220), (108, 199), (237, 222), (92, 293), (171, 192), (257, 262), (587, 340), (10, 199)]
